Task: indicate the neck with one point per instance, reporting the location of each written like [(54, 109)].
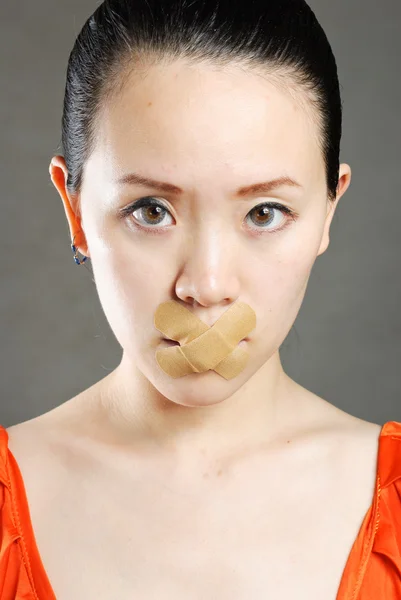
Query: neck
[(202, 420)]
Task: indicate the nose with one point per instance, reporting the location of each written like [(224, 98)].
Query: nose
[(210, 275)]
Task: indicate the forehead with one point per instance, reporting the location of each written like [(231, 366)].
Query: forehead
[(204, 118)]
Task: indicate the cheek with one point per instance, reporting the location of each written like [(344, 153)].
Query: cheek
[(127, 288), (282, 283), (279, 292), (291, 285)]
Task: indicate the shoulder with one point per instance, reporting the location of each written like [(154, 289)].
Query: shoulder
[(362, 442), (46, 453), (32, 467), (368, 461)]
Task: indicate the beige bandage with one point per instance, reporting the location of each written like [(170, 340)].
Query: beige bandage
[(203, 348)]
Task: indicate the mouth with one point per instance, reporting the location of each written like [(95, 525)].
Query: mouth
[(170, 342), (174, 343)]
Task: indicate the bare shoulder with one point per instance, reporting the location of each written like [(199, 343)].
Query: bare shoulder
[(358, 448), (47, 449), (61, 425), (38, 433), (351, 445), (356, 440)]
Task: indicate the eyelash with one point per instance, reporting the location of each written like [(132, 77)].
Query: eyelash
[(148, 201)]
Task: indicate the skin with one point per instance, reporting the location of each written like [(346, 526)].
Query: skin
[(208, 131)]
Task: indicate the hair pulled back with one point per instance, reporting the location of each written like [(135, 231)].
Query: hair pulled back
[(280, 37)]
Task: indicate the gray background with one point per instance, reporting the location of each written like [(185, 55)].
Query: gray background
[(55, 340)]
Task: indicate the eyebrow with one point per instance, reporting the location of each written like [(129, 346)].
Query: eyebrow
[(263, 187)]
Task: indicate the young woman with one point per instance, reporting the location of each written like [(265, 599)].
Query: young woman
[(200, 167)]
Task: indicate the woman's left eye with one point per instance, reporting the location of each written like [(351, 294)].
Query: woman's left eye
[(265, 214)]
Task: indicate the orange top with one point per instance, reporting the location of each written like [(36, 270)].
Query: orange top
[(372, 571)]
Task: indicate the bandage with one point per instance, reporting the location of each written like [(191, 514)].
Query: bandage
[(203, 348)]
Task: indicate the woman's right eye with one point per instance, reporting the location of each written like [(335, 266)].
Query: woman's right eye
[(145, 210), (150, 212)]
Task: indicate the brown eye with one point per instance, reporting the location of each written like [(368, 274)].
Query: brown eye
[(152, 214), (265, 215), (149, 212)]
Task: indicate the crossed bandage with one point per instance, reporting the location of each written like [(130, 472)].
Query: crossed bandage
[(203, 348)]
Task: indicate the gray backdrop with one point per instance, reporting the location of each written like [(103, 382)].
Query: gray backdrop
[(55, 341)]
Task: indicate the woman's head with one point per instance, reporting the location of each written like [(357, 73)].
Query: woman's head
[(210, 98)]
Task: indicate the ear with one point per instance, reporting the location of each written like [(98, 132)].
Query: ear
[(59, 175), (343, 184)]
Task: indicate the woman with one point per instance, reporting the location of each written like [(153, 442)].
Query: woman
[(200, 175)]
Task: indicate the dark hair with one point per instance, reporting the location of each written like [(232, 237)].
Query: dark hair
[(280, 37)]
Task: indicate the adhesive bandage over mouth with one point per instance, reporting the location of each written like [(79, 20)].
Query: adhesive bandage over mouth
[(203, 348)]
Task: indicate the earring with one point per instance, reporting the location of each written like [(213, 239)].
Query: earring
[(75, 253)]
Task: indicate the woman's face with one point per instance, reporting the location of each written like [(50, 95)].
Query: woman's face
[(206, 133)]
